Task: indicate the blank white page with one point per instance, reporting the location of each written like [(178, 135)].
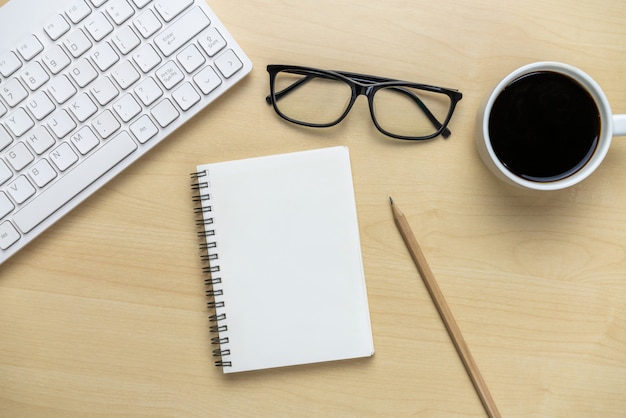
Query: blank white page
[(289, 258)]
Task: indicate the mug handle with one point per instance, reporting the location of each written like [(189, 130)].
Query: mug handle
[(619, 125)]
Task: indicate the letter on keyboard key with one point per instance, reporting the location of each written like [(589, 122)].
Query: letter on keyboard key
[(42, 172), (19, 122), (61, 123), (75, 181), (181, 31), (21, 189), (103, 90), (63, 156)]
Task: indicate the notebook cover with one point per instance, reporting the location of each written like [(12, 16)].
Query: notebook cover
[(287, 263)]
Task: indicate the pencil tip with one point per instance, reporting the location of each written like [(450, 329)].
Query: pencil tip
[(390, 200)]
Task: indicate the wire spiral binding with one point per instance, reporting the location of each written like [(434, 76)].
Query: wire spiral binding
[(203, 208)]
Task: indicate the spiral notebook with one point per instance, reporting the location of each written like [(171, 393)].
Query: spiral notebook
[(284, 269)]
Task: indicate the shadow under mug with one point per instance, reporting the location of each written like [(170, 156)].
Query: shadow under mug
[(490, 140)]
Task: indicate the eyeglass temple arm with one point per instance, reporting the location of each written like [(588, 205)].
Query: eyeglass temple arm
[(433, 119), (279, 94)]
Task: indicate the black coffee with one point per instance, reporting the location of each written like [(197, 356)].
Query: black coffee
[(544, 126)]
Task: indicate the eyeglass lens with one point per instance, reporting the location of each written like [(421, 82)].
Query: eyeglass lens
[(317, 99)]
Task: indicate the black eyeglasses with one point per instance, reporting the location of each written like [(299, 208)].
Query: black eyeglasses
[(320, 98)]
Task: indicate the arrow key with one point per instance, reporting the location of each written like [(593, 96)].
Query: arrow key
[(186, 96), (207, 80), (228, 63), (190, 58)]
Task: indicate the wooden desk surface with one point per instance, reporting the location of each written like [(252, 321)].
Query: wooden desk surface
[(105, 313)]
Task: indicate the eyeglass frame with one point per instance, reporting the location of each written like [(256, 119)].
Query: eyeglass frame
[(367, 85)]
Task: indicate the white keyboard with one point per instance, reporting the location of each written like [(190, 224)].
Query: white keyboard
[(89, 88)]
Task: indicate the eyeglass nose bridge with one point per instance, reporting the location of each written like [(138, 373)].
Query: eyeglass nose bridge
[(362, 89)]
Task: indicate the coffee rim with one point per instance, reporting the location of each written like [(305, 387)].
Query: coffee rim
[(604, 138)]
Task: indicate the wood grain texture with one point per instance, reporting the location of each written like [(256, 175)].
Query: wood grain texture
[(105, 314)]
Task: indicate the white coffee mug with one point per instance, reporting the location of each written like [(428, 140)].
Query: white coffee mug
[(608, 125)]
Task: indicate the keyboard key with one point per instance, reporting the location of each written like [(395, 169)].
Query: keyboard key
[(61, 123), (169, 9), (146, 58), (186, 96), (61, 89), (39, 139), (40, 105), (77, 43), (84, 140), (106, 124), (127, 107), (42, 173), (141, 3), (19, 156), (82, 107), (3, 109), (56, 27), (9, 63), (77, 11), (228, 63), (5, 138), (148, 91), (125, 40), (8, 235), (76, 180), (207, 80), (34, 76), (98, 26), (83, 73), (144, 129), (63, 156), (147, 24), (190, 58), (170, 75), (119, 10), (5, 172), (21, 189), (29, 47), (6, 206), (164, 113), (103, 90), (13, 92), (181, 31), (19, 122), (55, 59), (104, 56), (211, 41), (125, 74)]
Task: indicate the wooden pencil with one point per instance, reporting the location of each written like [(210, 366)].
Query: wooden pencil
[(445, 312)]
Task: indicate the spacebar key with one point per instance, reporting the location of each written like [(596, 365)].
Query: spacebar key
[(75, 181)]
